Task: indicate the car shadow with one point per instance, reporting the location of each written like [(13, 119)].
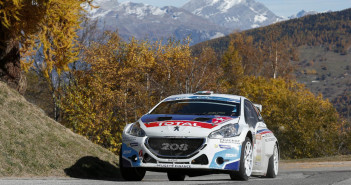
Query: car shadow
[(90, 167)]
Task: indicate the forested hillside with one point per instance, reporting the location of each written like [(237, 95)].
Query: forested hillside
[(321, 44), (332, 29)]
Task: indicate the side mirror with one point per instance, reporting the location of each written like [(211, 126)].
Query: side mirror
[(258, 106)]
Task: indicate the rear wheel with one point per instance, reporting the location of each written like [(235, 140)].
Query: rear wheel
[(246, 162), (131, 173), (273, 164), (173, 176)]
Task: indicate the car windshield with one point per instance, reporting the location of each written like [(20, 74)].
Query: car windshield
[(198, 107)]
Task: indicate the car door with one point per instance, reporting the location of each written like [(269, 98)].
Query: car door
[(254, 119)]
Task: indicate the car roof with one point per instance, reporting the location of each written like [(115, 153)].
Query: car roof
[(219, 97)]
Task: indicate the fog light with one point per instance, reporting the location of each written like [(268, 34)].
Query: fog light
[(219, 160), (134, 158)]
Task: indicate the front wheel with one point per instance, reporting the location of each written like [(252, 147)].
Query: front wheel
[(130, 174), (173, 176), (273, 163), (246, 162)]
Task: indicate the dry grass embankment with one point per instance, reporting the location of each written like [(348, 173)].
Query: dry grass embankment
[(34, 145)]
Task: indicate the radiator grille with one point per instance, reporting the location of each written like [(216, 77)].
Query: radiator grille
[(175, 147)]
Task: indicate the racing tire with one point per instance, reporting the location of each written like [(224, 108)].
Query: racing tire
[(175, 176), (273, 163), (131, 173), (246, 162)]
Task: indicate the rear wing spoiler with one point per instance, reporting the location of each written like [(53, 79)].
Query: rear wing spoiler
[(258, 106)]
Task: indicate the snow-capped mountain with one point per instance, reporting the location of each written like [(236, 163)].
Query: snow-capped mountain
[(200, 19), (145, 21), (233, 14), (303, 13)]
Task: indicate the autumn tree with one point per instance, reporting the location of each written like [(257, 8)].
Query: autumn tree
[(305, 125), (19, 20), (232, 67), (177, 71), (43, 32), (278, 54), (260, 73), (126, 79)]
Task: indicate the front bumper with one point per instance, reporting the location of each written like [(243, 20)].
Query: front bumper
[(215, 154)]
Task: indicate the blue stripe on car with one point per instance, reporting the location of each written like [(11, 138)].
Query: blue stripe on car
[(230, 156), (128, 153)]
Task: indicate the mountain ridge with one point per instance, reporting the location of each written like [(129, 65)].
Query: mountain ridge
[(233, 14), (146, 21), (303, 13)]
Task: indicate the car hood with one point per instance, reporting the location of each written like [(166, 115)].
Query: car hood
[(162, 125)]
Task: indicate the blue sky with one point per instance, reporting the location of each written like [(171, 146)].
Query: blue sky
[(279, 7)]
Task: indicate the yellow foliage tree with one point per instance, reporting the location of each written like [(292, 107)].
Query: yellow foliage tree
[(45, 30), (125, 79), (306, 125), (232, 67)]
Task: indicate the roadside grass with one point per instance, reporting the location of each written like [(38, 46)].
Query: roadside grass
[(34, 145)]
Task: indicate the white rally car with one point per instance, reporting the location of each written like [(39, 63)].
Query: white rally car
[(199, 134)]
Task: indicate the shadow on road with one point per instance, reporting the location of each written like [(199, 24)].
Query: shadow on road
[(90, 167)]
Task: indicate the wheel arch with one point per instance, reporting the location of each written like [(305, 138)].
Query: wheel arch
[(249, 135), (277, 143)]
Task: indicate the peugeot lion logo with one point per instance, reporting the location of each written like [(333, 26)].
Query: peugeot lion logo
[(176, 128)]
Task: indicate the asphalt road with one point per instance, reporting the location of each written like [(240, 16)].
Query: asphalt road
[(331, 173)]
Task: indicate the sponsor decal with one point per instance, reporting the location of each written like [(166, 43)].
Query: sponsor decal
[(268, 135), (258, 137), (257, 163), (181, 123), (172, 160), (258, 142), (231, 155), (140, 153), (125, 152), (218, 120), (174, 147), (133, 144), (232, 141), (258, 158), (270, 139), (225, 146), (173, 165), (128, 139)]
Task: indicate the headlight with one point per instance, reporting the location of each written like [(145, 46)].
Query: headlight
[(136, 130), (230, 130)]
